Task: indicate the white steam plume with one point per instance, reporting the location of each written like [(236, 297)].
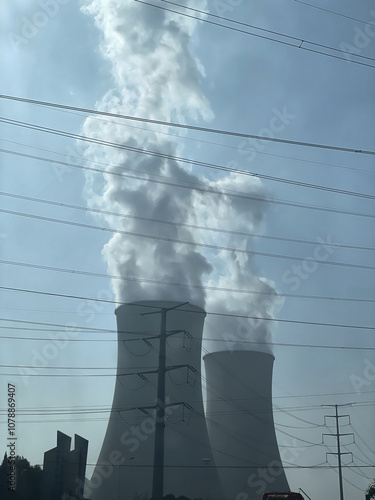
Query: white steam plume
[(155, 76)]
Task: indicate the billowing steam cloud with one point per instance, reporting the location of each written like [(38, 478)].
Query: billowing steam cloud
[(155, 76)]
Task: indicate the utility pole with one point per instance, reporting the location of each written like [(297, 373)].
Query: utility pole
[(338, 435), (158, 475), (158, 469)]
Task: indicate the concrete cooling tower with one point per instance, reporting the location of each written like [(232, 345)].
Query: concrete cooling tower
[(125, 468), (240, 423)]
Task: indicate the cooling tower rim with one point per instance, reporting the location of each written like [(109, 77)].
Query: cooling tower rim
[(159, 304), (236, 351)]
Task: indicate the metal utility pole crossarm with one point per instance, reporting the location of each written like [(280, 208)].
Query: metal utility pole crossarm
[(338, 435)]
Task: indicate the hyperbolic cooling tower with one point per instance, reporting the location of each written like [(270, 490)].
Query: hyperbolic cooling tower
[(240, 423), (189, 467)]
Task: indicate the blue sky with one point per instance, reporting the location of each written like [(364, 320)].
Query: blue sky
[(105, 55)]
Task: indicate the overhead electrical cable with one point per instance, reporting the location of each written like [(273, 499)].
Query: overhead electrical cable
[(239, 381), (186, 138), (288, 434), (277, 408), (335, 13), (260, 411), (363, 441), (238, 408), (166, 239), (180, 159), (345, 478), (282, 42), (196, 187), (297, 39), (176, 224), (359, 473), (212, 313), (224, 396), (355, 456), (170, 466), (185, 285), (66, 409), (242, 410), (245, 342), (190, 127)]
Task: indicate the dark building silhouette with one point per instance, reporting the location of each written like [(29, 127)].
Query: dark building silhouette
[(64, 470)]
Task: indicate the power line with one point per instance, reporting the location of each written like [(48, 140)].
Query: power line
[(335, 13), (287, 433), (67, 327), (204, 287), (347, 480), (249, 342), (356, 433), (45, 409), (189, 185), (158, 154), (50, 311), (172, 223), (314, 426), (162, 238), (355, 456), (52, 410), (282, 42), (166, 239), (166, 283), (185, 138), (297, 39), (359, 473), (188, 127), (278, 293), (191, 409), (212, 313), (75, 367), (240, 381), (321, 466), (195, 186)]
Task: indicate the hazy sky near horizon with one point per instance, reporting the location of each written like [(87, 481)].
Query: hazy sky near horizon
[(310, 248)]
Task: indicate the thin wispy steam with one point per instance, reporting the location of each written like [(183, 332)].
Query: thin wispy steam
[(156, 76)]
